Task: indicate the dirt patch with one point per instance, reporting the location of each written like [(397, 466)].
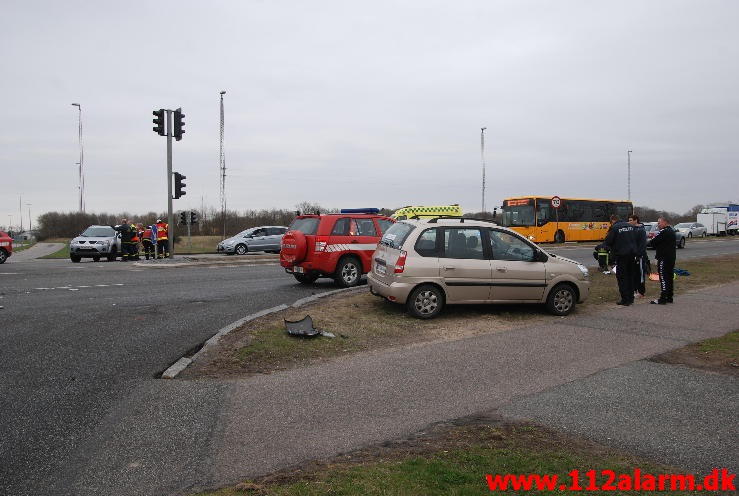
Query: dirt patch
[(717, 355)]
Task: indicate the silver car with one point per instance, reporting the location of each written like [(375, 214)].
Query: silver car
[(95, 242), (426, 264), (262, 238), (692, 229)]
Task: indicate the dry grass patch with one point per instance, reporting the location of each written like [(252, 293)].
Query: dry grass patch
[(362, 322), (717, 355)]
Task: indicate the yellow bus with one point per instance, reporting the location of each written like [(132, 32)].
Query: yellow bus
[(576, 219)]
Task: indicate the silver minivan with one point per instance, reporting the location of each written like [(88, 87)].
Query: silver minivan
[(262, 238), (428, 263)]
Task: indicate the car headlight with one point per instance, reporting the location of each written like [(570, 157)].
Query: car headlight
[(583, 269)]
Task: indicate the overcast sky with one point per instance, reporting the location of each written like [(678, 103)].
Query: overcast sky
[(352, 104)]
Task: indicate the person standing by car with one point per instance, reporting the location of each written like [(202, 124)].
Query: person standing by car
[(162, 239), (642, 259), (622, 242), (128, 232), (664, 245), (148, 241)]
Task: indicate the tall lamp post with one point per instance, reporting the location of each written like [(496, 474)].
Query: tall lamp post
[(628, 174), (30, 222), (482, 158), (81, 163)]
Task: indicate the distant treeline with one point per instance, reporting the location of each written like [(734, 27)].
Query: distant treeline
[(211, 222)]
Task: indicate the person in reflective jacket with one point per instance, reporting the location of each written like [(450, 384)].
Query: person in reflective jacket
[(622, 243), (664, 245), (128, 233)]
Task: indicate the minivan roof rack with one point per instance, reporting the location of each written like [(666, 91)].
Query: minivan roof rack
[(452, 217)]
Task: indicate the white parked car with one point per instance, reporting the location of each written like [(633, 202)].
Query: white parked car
[(692, 229)]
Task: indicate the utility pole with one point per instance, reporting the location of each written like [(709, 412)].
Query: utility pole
[(482, 157), (628, 175), (20, 210), (30, 222), (222, 166)]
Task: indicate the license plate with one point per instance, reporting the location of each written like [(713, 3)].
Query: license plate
[(381, 270), (298, 270)]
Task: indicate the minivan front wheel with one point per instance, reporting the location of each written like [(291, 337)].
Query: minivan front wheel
[(348, 272), (562, 299), (241, 249), (425, 302)]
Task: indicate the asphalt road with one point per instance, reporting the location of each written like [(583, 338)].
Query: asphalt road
[(81, 345), (77, 338)]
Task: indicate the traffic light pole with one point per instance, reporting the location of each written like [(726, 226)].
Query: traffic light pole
[(170, 214)]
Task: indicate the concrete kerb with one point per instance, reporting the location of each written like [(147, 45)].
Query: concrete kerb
[(184, 362)]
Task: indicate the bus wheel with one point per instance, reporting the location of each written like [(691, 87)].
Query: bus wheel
[(559, 237)]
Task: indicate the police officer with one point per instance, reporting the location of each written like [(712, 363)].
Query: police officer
[(664, 245), (623, 243), (641, 271)]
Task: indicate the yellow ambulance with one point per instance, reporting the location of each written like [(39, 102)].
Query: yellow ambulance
[(426, 212)]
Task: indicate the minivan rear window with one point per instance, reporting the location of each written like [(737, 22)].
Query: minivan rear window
[(396, 235), (307, 225)]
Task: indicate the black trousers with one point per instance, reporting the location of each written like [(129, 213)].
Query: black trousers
[(666, 268), (162, 245), (625, 268), (640, 275), (148, 248)]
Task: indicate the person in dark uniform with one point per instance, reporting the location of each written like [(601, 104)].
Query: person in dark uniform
[(621, 240), (664, 245), (641, 273), (128, 233)]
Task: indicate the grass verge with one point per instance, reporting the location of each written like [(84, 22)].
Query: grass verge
[(451, 459), (362, 322), (199, 245), (61, 253)]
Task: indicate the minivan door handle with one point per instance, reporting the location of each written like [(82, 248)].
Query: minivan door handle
[(501, 269), (449, 268)]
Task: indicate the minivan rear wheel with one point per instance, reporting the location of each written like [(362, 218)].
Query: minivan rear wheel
[(562, 299), (425, 302)]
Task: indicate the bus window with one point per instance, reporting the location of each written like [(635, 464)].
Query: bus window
[(519, 215)]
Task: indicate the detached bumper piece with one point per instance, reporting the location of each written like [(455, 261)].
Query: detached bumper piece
[(304, 328)]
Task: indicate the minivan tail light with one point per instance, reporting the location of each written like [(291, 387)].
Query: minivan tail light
[(400, 264), (321, 243)]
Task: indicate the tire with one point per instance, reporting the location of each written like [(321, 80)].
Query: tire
[(348, 272), (561, 299), (75, 258), (425, 301), (681, 244), (559, 237), (241, 249), (3, 256), (306, 278), (95, 259)]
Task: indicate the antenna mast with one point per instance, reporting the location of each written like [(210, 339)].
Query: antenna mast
[(482, 158), (222, 167)]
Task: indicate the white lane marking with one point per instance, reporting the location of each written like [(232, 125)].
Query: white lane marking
[(43, 288), (73, 289), (84, 286), (9, 273), (117, 284), (101, 285)]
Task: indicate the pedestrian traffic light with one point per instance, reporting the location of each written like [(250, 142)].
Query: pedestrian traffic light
[(179, 124), (183, 218), (159, 122), (179, 186), (193, 217)]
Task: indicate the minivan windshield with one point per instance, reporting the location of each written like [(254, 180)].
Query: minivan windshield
[(396, 235), (99, 231), (306, 225)]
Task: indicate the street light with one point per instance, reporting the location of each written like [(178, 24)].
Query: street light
[(81, 162), (628, 175), (30, 222), (482, 158)]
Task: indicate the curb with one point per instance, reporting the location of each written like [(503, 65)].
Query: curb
[(184, 362)]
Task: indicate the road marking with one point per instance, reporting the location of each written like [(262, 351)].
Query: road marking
[(9, 273), (117, 284), (73, 289), (43, 288), (101, 285), (84, 286)]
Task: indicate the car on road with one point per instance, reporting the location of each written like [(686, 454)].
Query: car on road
[(95, 242), (339, 246), (692, 229), (426, 264), (652, 230), (262, 238), (6, 246)]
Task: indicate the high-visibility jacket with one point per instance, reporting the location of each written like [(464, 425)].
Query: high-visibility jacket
[(147, 235), (162, 231), (136, 238)]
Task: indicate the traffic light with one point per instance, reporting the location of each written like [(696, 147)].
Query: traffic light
[(179, 186), (193, 217), (159, 122), (183, 218), (179, 124)]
